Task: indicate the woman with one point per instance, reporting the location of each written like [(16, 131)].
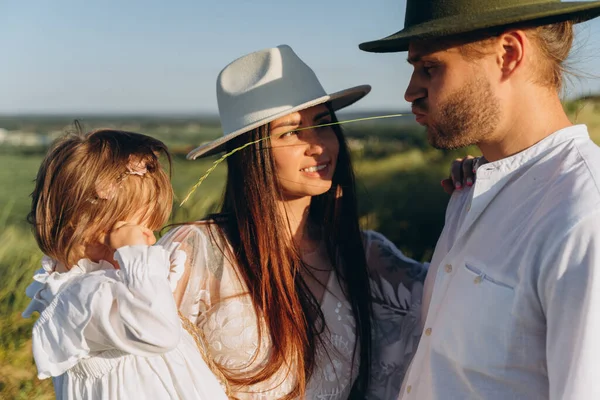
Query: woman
[(281, 281)]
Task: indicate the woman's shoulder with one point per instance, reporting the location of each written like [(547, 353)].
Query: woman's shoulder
[(384, 257), (369, 235), (201, 247), (194, 231), (197, 238), (376, 241)]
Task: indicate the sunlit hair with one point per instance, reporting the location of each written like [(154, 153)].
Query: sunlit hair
[(552, 43), (271, 266), (83, 187)]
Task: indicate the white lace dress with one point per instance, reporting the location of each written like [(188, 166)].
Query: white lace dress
[(217, 301), (105, 333)]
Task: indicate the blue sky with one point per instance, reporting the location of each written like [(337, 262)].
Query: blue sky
[(149, 56)]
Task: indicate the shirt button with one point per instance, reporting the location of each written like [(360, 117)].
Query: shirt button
[(448, 268), (428, 332), (408, 389)]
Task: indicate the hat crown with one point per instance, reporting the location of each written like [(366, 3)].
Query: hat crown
[(420, 11), (262, 84), (433, 19)]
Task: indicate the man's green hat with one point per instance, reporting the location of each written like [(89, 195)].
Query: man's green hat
[(430, 19)]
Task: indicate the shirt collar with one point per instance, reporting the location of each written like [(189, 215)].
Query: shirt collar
[(509, 164)]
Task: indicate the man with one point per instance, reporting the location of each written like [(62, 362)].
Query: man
[(512, 299)]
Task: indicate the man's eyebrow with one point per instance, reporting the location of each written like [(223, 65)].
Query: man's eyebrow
[(413, 59), (423, 59)]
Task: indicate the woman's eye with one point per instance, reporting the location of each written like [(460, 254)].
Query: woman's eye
[(323, 125), (288, 134)]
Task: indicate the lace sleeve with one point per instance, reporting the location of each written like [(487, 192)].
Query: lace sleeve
[(200, 280), (396, 290)]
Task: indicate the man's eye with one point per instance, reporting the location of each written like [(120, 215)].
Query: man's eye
[(428, 69)]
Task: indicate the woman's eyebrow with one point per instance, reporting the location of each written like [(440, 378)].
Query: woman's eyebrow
[(322, 115), (288, 122)]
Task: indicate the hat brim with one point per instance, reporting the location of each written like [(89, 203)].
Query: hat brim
[(338, 100), (541, 14)]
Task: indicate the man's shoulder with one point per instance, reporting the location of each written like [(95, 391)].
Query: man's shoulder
[(588, 154), (458, 203), (577, 180), (571, 192)]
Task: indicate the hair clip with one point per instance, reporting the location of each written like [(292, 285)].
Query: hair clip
[(106, 192), (136, 166)]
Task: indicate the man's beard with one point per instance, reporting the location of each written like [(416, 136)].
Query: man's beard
[(465, 117)]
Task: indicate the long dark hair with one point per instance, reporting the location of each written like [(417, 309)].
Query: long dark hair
[(251, 222)]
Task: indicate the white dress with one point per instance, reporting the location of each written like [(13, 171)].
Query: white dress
[(105, 333), (218, 302)]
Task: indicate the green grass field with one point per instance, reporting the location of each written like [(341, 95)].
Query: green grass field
[(399, 195)]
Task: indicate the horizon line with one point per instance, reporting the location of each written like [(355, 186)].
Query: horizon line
[(164, 114)]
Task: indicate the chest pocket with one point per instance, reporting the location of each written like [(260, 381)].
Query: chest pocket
[(474, 322)]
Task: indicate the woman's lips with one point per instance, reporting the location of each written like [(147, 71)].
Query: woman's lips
[(316, 171)]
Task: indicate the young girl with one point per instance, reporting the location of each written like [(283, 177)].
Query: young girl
[(109, 327)]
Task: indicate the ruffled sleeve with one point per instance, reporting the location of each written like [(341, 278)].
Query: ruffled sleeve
[(131, 309), (396, 289), (200, 285), (177, 258), (39, 297)]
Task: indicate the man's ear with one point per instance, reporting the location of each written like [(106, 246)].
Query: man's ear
[(511, 52)]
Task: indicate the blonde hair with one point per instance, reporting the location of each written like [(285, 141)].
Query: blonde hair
[(85, 185), (553, 44)]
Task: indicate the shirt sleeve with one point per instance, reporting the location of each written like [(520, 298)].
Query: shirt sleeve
[(569, 288), (131, 309), (199, 286), (396, 290)]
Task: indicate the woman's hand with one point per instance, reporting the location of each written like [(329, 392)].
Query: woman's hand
[(462, 173), (128, 234)]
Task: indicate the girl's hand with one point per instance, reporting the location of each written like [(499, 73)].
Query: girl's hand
[(129, 234), (462, 173)]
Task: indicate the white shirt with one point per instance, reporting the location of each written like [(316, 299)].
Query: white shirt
[(105, 333), (513, 295), (217, 300)]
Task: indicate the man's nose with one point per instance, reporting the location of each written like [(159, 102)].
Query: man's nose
[(415, 89)]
